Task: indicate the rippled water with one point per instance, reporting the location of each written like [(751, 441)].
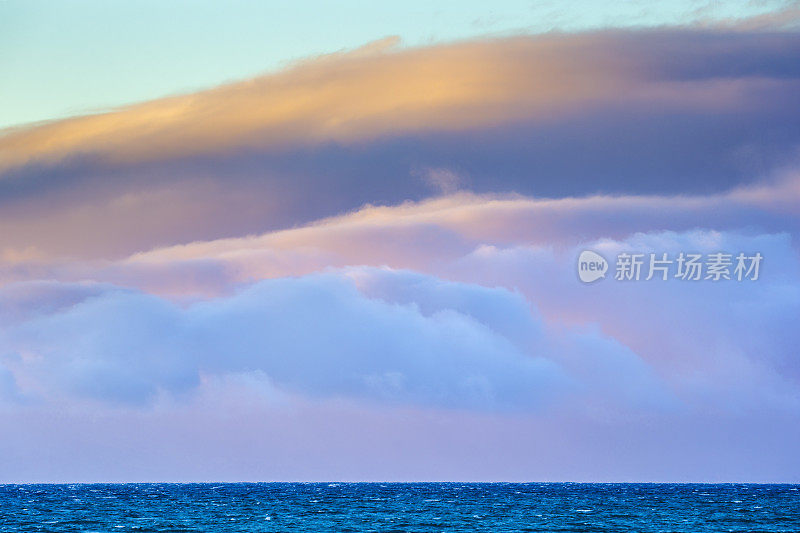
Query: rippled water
[(400, 507)]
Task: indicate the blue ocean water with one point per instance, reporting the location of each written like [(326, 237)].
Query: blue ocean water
[(400, 507)]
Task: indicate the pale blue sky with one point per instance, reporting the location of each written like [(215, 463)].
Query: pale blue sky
[(60, 58)]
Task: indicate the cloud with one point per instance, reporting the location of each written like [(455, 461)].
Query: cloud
[(442, 180), (655, 112), (403, 375), (344, 97), (398, 336), (493, 337), (262, 261), (372, 92), (787, 17), (738, 344), (725, 347), (401, 338), (424, 234)]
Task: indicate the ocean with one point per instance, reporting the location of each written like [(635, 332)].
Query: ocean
[(495, 507)]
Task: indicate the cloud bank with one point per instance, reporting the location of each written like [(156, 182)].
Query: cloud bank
[(468, 347), (561, 115), (678, 369), (363, 267)]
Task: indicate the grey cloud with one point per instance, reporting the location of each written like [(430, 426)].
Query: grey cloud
[(420, 341)]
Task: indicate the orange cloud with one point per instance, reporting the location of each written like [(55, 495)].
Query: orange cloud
[(348, 97)]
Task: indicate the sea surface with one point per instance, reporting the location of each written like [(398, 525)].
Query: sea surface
[(400, 507)]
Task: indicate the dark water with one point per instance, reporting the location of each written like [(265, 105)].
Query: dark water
[(400, 507)]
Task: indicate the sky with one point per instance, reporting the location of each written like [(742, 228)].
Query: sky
[(73, 57), (351, 254)]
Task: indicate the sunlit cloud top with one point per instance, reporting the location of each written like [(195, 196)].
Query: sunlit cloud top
[(190, 45)]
